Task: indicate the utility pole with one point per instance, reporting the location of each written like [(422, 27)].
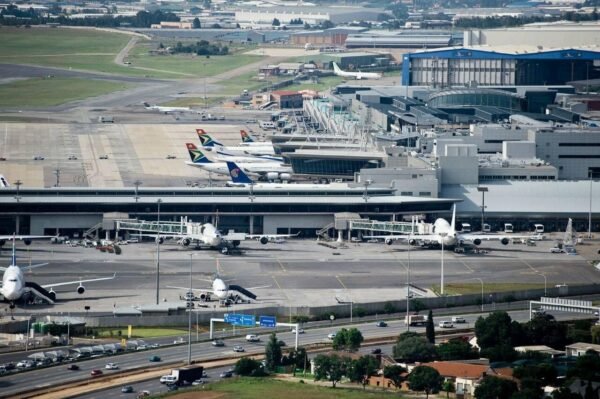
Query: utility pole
[(18, 184), (137, 185), (57, 173), (158, 202)]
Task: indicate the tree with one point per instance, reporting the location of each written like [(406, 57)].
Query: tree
[(545, 373), (361, 369), (247, 366), (276, 22), (196, 23), (587, 367), (497, 335), (389, 307), (456, 349), (449, 387), (272, 353), (424, 378), (348, 339), (331, 368), (395, 374), (543, 330), (429, 328), (414, 349), (327, 24), (495, 388)]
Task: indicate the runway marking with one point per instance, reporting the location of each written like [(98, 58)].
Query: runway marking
[(276, 282), (467, 266), (340, 281), (281, 265), (529, 266), (219, 269)]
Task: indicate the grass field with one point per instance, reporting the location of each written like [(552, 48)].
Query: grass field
[(194, 102), (143, 332), (95, 50), (41, 92), (261, 388), (475, 288), (323, 84), (247, 81)]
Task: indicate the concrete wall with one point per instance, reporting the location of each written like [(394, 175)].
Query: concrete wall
[(537, 36), (344, 310), (271, 223), (41, 222)]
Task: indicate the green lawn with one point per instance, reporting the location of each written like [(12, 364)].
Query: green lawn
[(144, 332), (247, 81), (475, 288), (323, 84), (194, 101), (41, 92), (261, 388)]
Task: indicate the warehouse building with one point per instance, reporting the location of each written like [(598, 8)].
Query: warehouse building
[(501, 66)]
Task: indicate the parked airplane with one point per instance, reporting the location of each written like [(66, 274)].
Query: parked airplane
[(209, 143), (446, 232), (26, 239), (168, 110), (225, 155), (220, 289), (356, 75), (265, 170), (15, 288), (249, 140)]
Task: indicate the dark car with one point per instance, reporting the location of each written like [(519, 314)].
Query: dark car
[(218, 342), (226, 374), (382, 324), (172, 387), (73, 367), (376, 351), (96, 372), (127, 389), (154, 358)]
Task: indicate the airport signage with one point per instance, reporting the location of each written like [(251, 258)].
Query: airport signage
[(267, 321), (240, 319)]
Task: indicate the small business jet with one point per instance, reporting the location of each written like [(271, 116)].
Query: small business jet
[(356, 75), (168, 110)]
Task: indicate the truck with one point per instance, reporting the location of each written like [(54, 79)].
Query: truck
[(188, 374), (415, 319)]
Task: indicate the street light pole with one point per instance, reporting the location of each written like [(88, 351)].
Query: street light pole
[(545, 283), (443, 235), (590, 212), (408, 287), (158, 202), (189, 359), (481, 281)]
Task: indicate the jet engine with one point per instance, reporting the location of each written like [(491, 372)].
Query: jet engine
[(504, 241), (264, 240), (160, 240), (27, 242), (412, 241), (285, 176), (389, 241), (477, 241), (235, 243), (80, 289), (185, 242)]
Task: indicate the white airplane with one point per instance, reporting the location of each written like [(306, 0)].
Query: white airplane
[(15, 288), (224, 155), (210, 143), (249, 140), (199, 234), (446, 232), (221, 290), (268, 170), (356, 75), (26, 239), (168, 110)]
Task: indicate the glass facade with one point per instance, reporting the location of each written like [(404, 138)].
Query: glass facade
[(476, 97), (334, 167)]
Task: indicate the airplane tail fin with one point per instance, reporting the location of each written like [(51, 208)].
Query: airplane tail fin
[(237, 174), (3, 182), (146, 105), (206, 140), (246, 137), (568, 238), (336, 68), (196, 155), (453, 222)]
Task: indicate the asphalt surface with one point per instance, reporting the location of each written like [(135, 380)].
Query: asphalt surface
[(40, 378)]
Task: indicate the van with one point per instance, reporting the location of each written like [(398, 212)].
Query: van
[(252, 338), (168, 379), (458, 320), (445, 324)]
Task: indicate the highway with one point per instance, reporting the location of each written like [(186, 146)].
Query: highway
[(15, 383)]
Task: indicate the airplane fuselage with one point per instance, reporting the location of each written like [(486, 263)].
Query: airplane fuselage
[(13, 283), (220, 288)]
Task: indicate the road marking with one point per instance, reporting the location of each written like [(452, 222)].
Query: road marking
[(529, 266), (219, 270), (340, 281), (281, 265), (276, 282)]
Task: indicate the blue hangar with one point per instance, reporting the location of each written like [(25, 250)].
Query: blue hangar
[(500, 65)]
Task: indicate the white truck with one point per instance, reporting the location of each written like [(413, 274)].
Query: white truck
[(415, 319)]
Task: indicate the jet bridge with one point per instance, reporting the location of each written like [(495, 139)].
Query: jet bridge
[(388, 227), (175, 228)]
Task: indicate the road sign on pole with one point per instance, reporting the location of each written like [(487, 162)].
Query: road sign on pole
[(267, 321), (240, 319)]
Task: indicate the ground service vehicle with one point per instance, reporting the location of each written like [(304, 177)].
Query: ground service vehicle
[(187, 375), (415, 319)]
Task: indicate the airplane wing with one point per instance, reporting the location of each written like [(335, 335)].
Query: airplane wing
[(503, 238), (271, 236), (193, 289), (33, 266), (78, 281), (10, 237)]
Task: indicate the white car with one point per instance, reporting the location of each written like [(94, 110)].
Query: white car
[(168, 379), (111, 366), (252, 338), (458, 320), (197, 382), (300, 331), (331, 336), (445, 324)]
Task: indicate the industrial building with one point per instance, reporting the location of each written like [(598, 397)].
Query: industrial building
[(504, 66)]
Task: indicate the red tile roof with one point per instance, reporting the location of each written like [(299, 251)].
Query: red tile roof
[(457, 369)]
